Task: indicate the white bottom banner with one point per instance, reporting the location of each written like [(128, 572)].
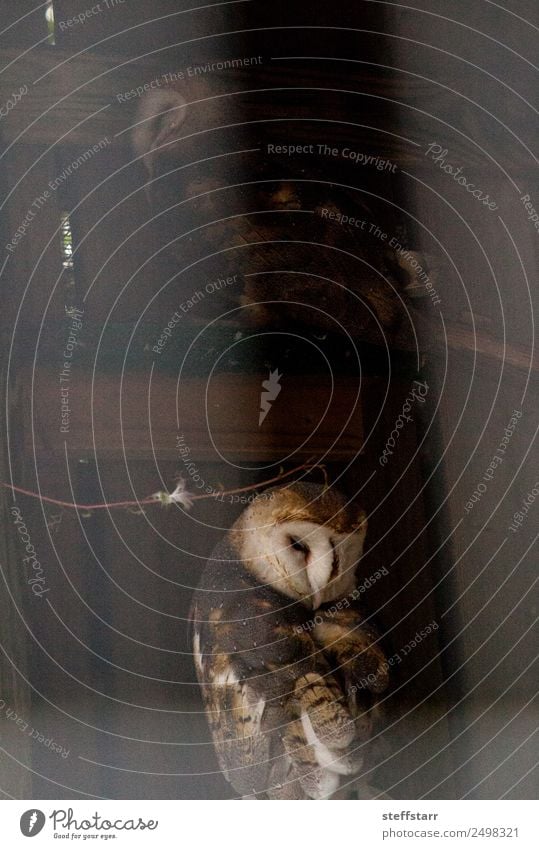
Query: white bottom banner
[(170, 823)]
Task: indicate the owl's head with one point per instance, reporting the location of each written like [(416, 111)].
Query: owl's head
[(304, 540)]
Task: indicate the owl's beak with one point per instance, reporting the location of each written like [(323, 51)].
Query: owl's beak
[(316, 599)]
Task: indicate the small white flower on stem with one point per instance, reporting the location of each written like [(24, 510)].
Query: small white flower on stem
[(180, 496)]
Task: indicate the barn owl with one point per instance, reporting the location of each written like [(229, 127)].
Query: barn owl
[(289, 670)]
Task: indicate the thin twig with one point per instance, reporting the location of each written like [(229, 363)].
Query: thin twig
[(73, 505), (158, 497)]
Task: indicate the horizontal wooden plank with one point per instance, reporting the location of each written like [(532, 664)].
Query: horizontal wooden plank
[(65, 98), (84, 97), (196, 419), (487, 349)]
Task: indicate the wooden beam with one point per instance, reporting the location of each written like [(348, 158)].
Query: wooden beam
[(70, 100), (216, 419), (489, 351), (78, 99)]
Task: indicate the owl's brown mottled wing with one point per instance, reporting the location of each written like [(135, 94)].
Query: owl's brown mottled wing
[(243, 749)]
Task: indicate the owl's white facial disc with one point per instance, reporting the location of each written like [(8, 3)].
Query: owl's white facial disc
[(305, 561)]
